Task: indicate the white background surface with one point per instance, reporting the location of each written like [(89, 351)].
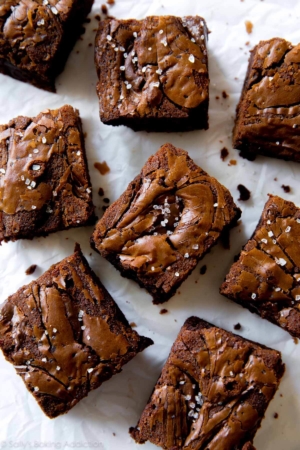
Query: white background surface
[(102, 419)]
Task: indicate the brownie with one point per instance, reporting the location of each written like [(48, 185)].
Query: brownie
[(212, 393), (267, 119), (65, 335), (153, 73), (44, 179), (36, 37), (165, 222), (266, 277)]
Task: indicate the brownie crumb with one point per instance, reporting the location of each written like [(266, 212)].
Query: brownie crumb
[(296, 340), (224, 94), (163, 311), (97, 17), (133, 324), (249, 26), (203, 269), (275, 415), (224, 153), (232, 162), (225, 238), (106, 200), (114, 434), (237, 326), (90, 44), (101, 192), (104, 9), (245, 194), (31, 269), (286, 188), (102, 167), (110, 2), (247, 43), (217, 97)]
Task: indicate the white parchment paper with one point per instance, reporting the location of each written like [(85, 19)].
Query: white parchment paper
[(102, 419)]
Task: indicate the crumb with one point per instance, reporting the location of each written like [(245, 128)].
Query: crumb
[(101, 192), (114, 434), (237, 326), (225, 238), (85, 135), (163, 311), (224, 94), (104, 9), (110, 2), (286, 188), (224, 153), (91, 254), (133, 324), (106, 200), (296, 340), (203, 269), (31, 269), (249, 26), (281, 395), (247, 43), (102, 167), (236, 78), (175, 320), (232, 162), (97, 17), (90, 44), (178, 292), (217, 97), (196, 282), (275, 415), (245, 194), (77, 51)]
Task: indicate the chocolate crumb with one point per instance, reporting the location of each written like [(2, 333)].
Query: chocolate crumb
[(247, 43), (286, 188), (217, 97), (224, 94), (133, 324), (101, 192), (90, 44), (102, 167), (114, 434), (237, 326), (163, 311), (275, 415), (106, 200), (249, 26), (225, 238), (104, 9), (232, 162), (245, 194), (296, 340), (110, 2), (31, 269), (224, 153), (203, 269), (97, 17)]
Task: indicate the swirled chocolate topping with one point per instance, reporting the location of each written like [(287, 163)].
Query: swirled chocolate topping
[(65, 335), (212, 393), (166, 220), (268, 113), (266, 277), (44, 180), (158, 69)]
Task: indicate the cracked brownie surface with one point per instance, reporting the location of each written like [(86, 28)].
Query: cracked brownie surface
[(153, 73), (163, 224), (36, 37), (266, 277), (65, 335), (268, 120), (212, 393), (44, 179)]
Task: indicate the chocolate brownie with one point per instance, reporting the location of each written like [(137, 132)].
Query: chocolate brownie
[(212, 393), (268, 120), (165, 222), (153, 73), (36, 37), (266, 277), (65, 335), (44, 179)]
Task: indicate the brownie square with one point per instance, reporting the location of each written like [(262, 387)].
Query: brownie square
[(44, 179), (65, 335), (36, 37), (266, 277), (267, 120), (165, 222), (212, 393), (153, 73)]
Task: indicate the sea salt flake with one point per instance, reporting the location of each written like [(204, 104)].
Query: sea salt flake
[(36, 389), (264, 241), (195, 247), (215, 205), (288, 229), (88, 190), (191, 413), (297, 298), (57, 368), (193, 40), (90, 370), (192, 58), (270, 233), (108, 37), (186, 255), (129, 86), (33, 184), (192, 405), (144, 69), (277, 289), (135, 34), (253, 296), (149, 48), (188, 397), (36, 167), (54, 10), (83, 327), (33, 207), (44, 140), (181, 382), (36, 150), (2, 171), (116, 49), (159, 71), (40, 22), (176, 274), (54, 330), (280, 261), (44, 359), (88, 338), (122, 68), (161, 31)]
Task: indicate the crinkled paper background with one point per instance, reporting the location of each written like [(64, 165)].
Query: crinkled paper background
[(102, 419)]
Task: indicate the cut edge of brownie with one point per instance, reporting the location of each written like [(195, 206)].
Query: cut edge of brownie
[(194, 324)]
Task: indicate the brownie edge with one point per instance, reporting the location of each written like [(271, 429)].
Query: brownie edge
[(213, 391)]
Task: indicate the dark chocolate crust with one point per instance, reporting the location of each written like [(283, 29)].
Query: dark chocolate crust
[(65, 335), (44, 179), (36, 37), (165, 222), (266, 277), (212, 393), (153, 73), (268, 114)]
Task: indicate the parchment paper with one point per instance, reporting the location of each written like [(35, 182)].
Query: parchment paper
[(102, 419)]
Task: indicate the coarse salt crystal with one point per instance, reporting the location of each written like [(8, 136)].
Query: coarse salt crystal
[(36, 150), (176, 274), (188, 397), (295, 125), (40, 22), (270, 233), (280, 261), (108, 37), (192, 58), (202, 37), (33, 207), (215, 205), (83, 327), (144, 69), (54, 10), (274, 241), (44, 140), (193, 40), (58, 368), (288, 229), (277, 143), (156, 84), (298, 220), (195, 247), (33, 184), (88, 338), (269, 222), (186, 255), (152, 268), (161, 31), (277, 289), (135, 34), (253, 296), (264, 241), (54, 330), (36, 389), (36, 167), (88, 190), (122, 68), (44, 359), (181, 382), (297, 298), (116, 49), (129, 86), (2, 170), (90, 370), (159, 71), (54, 194), (149, 48)]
